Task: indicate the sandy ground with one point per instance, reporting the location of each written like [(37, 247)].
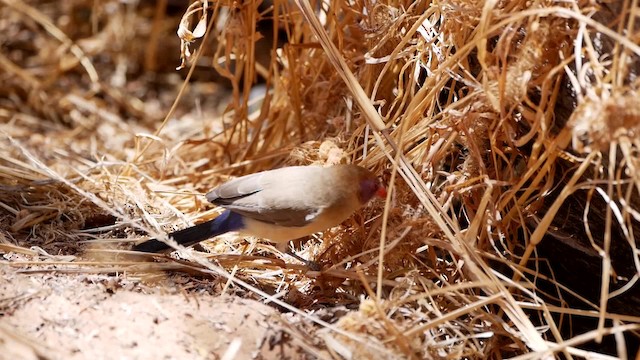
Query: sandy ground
[(80, 316)]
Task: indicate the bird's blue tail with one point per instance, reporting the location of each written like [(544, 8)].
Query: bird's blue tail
[(227, 221)]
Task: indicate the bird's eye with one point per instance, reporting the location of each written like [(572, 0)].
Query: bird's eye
[(369, 188)]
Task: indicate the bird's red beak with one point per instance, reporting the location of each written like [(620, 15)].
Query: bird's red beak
[(382, 192)]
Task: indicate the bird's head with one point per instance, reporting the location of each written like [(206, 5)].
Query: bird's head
[(370, 187)]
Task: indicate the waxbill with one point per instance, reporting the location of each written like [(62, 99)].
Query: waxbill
[(282, 204)]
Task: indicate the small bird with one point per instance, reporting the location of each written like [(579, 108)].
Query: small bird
[(282, 204)]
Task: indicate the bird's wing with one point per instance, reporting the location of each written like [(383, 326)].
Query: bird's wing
[(280, 196)]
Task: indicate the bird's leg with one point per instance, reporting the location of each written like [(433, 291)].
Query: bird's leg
[(289, 251), (310, 263)]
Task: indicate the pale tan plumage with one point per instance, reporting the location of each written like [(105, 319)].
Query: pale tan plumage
[(292, 202), (283, 204)]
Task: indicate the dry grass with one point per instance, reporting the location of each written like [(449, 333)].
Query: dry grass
[(500, 128)]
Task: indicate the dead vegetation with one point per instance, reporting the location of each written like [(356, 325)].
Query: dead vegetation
[(507, 132)]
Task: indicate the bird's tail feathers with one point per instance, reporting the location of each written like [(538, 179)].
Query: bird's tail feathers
[(226, 222)]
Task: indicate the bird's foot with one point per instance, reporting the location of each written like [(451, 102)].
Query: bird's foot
[(312, 265)]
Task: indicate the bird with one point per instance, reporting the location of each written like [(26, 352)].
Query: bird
[(282, 204)]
